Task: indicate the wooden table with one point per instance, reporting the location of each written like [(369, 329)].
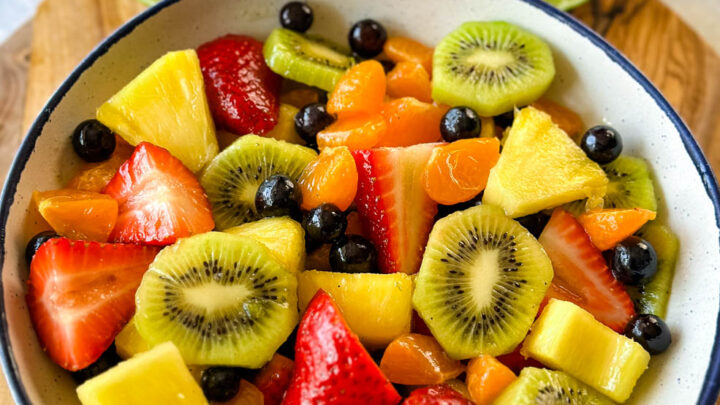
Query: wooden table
[(37, 58)]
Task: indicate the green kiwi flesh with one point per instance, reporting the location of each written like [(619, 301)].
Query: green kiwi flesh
[(481, 282), (304, 59), (535, 386), (491, 67), (233, 177), (221, 299)]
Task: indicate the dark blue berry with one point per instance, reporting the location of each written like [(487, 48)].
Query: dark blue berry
[(460, 123), (93, 141), (37, 241), (353, 254), (221, 383), (106, 361), (602, 144), (634, 261), (367, 38), (296, 16), (312, 119), (278, 196), (534, 223), (650, 331), (324, 223), (505, 119)]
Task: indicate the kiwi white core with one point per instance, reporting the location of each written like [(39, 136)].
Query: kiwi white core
[(484, 277), (491, 58), (322, 52), (215, 297)]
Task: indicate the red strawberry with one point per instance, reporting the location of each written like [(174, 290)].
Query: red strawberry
[(274, 378), (241, 90), (331, 365), (436, 395), (392, 203), (159, 199), (581, 273), (81, 294)]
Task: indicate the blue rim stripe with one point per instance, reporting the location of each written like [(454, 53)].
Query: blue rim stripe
[(711, 385)]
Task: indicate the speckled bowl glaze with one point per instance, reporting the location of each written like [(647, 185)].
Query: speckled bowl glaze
[(593, 78)]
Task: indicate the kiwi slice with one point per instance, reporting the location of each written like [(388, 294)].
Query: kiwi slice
[(481, 282), (491, 67), (305, 59), (221, 299), (233, 177), (540, 386), (630, 186), (652, 297)]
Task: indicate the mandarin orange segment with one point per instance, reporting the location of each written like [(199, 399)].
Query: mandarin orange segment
[(459, 171), (77, 214), (95, 176), (487, 378), (361, 90), (567, 119), (331, 178), (409, 79), (401, 49), (410, 122), (414, 359), (360, 132), (608, 227)]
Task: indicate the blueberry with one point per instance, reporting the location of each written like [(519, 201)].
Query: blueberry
[(93, 141), (602, 144), (37, 241), (534, 223), (634, 261), (278, 196), (296, 16), (353, 254), (505, 119), (460, 123), (221, 383), (445, 210), (325, 223), (106, 361), (312, 119), (367, 38), (650, 331)]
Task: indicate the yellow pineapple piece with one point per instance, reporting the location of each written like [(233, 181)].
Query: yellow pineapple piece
[(129, 342), (166, 106), (540, 167), (285, 128), (566, 337), (284, 238), (377, 307), (158, 376)]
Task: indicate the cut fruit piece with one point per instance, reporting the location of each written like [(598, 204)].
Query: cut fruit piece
[(415, 359), (358, 132), (233, 177), (442, 394), (159, 199), (221, 299), (516, 361), (331, 178), (652, 297), (285, 128), (487, 378), (305, 60), (481, 282), (608, 227), (491, 67), (158, 376), (95, 176), (540, 168), (392, 203), (376, 306), (568, 338), (79, 215), (283, 237), (128, 342), (81, 294), (359, 91), (274, 378), (565, 118), (581, 273), (409, 79), (538, 386), (166, 106), (459, 171), (410, 122), (330, 362), (401, 49)]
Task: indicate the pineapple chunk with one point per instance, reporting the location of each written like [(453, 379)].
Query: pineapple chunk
[(541, 167), (568, 338), (129, 342), (157, 376), (284, 238), (166, 106), (285, 128), (377, 307)]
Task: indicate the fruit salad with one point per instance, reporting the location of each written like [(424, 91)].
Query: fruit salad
[(291, 220)]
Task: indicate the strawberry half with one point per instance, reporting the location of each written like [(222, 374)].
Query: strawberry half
[(436, 395), (242, 91), (581, 273), (159, 199), (331, 365), (393, 205), (81, 294)]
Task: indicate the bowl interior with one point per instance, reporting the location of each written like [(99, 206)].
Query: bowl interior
[(588, 81)]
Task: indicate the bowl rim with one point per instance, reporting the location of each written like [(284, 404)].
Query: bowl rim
[(711, 384)]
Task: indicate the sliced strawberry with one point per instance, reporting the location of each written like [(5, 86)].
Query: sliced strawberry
[(274, 378), (81, 294), (393, 204), (436, 395), (331, 365), (581, 273), (159, 199)]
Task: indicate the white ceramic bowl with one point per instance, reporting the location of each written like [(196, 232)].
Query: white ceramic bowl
[(593, 78)]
